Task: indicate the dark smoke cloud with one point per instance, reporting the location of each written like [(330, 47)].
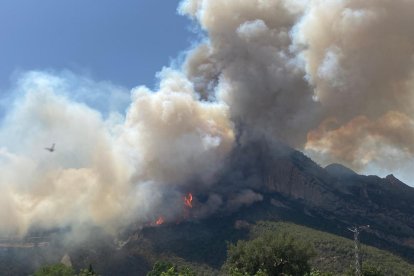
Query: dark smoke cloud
[(332, 77), (285, 67), (248, 63)]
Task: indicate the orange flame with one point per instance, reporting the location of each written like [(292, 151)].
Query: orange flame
[(159, 221), (188, 199)]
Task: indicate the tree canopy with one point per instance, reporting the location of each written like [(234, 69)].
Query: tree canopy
[(55, 270), (269, 254), (168, 269), (63, 270)]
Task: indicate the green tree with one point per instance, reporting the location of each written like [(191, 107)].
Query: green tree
[(371, 270), (62, 270), (269, 254), (368, 269), (316, 272), (55, 270), (161, 268), (236, 272), (87, 272)]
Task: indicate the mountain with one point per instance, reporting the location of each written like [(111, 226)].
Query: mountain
[(292, 188), (332, 199), (296, 189)]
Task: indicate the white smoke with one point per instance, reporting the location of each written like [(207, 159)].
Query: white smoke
[(176, 137), (359, 59), (105, 171), (243, 198), (332, 77)]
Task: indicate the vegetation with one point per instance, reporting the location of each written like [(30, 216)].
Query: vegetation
[(168, 269), (371, 270), (63, 270), (55, 270), (87, 272), (316, 272), (269, 254), (335, 254)]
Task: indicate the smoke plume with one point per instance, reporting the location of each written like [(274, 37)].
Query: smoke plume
[(359, 59), (105, 171), (333, 78), (249, 64)]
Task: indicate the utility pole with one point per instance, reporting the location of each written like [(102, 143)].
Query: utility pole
[(358, 261)]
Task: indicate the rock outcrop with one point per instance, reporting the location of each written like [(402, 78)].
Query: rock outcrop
[(335, 196)]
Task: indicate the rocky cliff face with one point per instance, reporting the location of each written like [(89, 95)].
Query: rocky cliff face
[(335, 196)]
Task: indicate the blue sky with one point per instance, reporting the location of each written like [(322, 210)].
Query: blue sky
[(124, 42)]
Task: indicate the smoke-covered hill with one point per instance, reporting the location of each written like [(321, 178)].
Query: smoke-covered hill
[(261, 180), (288, 186), (334, 80), (332, 198)]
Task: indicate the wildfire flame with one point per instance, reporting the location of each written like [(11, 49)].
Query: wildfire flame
[(188, 199), (159, 221)]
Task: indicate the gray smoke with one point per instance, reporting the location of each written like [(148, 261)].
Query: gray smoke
[(334, 78), (359, 59), (248, 62), (289, 69)]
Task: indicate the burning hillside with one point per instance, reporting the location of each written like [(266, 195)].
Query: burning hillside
[(333, 78)]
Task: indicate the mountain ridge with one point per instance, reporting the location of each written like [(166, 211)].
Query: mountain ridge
[(292, 188), (335, 194)]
